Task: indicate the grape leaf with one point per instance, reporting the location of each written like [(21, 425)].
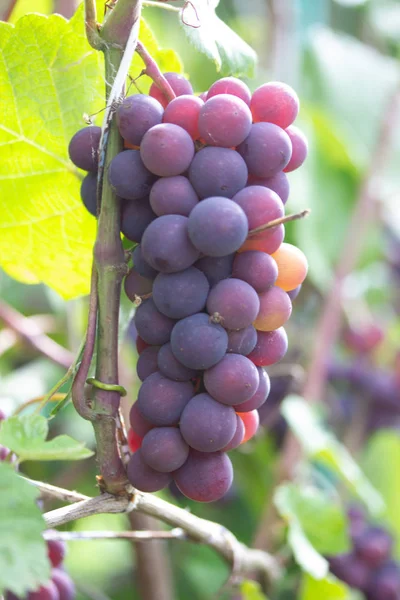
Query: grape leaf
[(208, 34), (23, 555), (26, 436), (328, 588), (251, 590)]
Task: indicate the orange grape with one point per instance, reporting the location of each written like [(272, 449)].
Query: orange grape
[(269, 241), (292, 266), (275, 309), (251, 421)]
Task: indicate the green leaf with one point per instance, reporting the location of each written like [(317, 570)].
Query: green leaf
[(321, 445), (49, 77), (251, 590), (26, 436), (320, 516), (304, 552), (328, 588), (23, 554), (230, 53)]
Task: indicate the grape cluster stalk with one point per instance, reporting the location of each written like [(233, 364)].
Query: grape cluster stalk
[(197, 176)]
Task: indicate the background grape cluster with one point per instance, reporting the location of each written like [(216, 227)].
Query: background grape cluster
[(198, 177)]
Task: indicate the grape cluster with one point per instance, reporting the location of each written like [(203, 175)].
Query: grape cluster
[(197, 177), (60, 586), (369, 567)]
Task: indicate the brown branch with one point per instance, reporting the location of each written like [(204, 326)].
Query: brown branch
[(31, 334), (6, 10), (281, 221), (139, 536), (66, 8), (154, 72)]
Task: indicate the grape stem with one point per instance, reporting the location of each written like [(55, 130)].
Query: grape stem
[(140, 536), (91, 27), (280, 221), (154, 72), (5, 13)]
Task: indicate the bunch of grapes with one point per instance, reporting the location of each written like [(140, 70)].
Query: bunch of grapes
[(369, 567), (199, 179), (60, 586)]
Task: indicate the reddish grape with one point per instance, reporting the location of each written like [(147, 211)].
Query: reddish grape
[(136, 115), (147, 362), (138, 423), (258, 269), (218, 172), (170, 367), (299, 148), (260, 205), (215, 268), (84, 147), (56, 551), (292, 266), (161, 400), (134, 440), (152, 326), (258, 399), (279, 183), (136, 216), (173, 196), (271, 347), (181, 294), (225, 121), (64, 584), (136, 285), (184, 111), (270, 241), (164, 449), (45, 592), (251, 421), (275, 102), (266, 150), (145, 478), (242, 341), (233, 380), (128, 176), (205, 477), (140, 345), (207, 425), (275, 309), (234, 302), (197, 342), (230, 85), (180, 85), (237, 436), (166, 150)]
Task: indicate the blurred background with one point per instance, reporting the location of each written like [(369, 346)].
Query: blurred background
[(341, 56)]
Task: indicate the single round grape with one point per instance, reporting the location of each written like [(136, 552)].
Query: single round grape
[(234, 302), (48, 591), (242, 341), (145, 478), (215, 268), (270, 241), (173, 196), (299, 148), (136, 115), (294, 293), (237, 436), (230, 85), (181, 294), (260, 205), (167, 150), (56, 551), (128, 176), (251, 422), (164, 449), (258, 269), (275, 102), (225, 121), (64, 584), (271, 347), (266, 150), (197, 342), (136, 285), (180, 85), (83, 148), (207, 425), (217, 226), (136, 217), (161, 400), (170, 367), (141, 266), (278, 183), (292, 266), (217, 172), (138, 423), (89, 193), (205, 477), (134, 440), (140, 344), (152, 326), (184, 111), (261, 395), (166, 245), (147, 362), (374, 545), (385, 583), (275, 309), (233, 380), (355, 573)]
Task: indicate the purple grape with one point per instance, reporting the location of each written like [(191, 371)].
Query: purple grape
[(136, 115), (138, 423), (237, 436), (351, 570), (215, 268), (385, 583), (207, 425), (224, 120), (233, 380), (173, 196), (64, 584), (143, 477), (48, 591), (56, 551), (299, 148), (166, 245), (161, 400), (294, 293), (141, 266), (373, 546), (136, 285), (167, 150), (234, 302), (128, 176), (260, 206), (258, 269), (266, 150), (197, 342), (180, 85), (261, 394), (152, 326), (164, 449), (205, 477), (83, 148), (279, 183), (89, 193), (271, 347), (217, 172), (4, 453), (3, 416), (181, 294), (170, 367), (136, 217), (242, 341), (147, 362), (217, 227)]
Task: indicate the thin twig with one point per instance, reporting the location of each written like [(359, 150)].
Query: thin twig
[(161, 5), (39, 399), (140, 536), (31, 333), (154, 72), (92, 32), (53, 491), (281, 221), (6, 12)]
